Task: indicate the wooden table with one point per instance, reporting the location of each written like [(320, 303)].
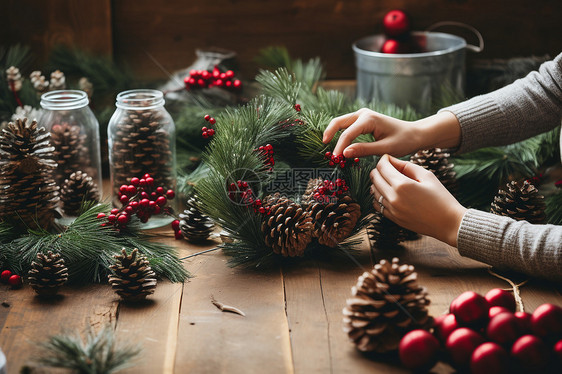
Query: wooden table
[(293, 319)]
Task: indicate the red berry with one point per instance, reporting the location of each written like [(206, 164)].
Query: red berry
[(152, 204), (205, 134), (471, 309), (396, 23), (142, 182), (123, 189), (207, 117), (530, 352), (114, 211), (129, 209), (356, 159), (489, 358), (229, 74), (101, 215), (342, 164), (144, 203), (5, 275), (204, 129), (135, 181), (15, 281), (212, 121), (144, 195), (228, 84), (444, 326), (170, 194), (123, 219), (524, 320), (205, 74), (161, 201), (134, 205), (160, 190), (261, 210), (495, 310), (418, 350), (392, 46), (149, 181), (211, 132), (176, 225), (156, 210), (297, 107), (112, 218), (328, 155), (124, 199), (547, 320), (153, 195), (461, 343), (219, 83), (499, 297), (237, 83), (178, 235), (557, 349), (131, 190), (503, 328)]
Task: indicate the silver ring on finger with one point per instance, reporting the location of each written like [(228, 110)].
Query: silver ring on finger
[(381, 199), (382, 209)]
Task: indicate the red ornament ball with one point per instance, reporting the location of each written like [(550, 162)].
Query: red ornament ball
[(418, 350), (557, 350), (5, 275), (489, 358), (392, 46), (495, 310), (547, 320), (15, 281), (530, 352), (499, 297), (524, 320), (503, 328), (470, 309), (444, 326), (461, 343), (396, 23)]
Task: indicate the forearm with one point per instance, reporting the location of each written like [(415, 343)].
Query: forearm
[(505, 243), (442, 130)]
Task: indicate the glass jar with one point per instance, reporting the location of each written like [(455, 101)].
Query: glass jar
[(142, 140), (75, 136)]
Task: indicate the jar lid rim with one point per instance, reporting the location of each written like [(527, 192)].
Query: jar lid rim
[(64, 99), (132, 98)]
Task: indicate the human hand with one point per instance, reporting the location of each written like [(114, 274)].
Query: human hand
[(392, 135), (415, 199)]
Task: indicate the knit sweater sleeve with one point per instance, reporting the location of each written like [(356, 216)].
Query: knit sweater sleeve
[(506, 243), (527, 107)]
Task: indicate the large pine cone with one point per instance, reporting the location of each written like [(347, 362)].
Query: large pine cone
[(28, 192), (76, 190), (287, 228), (133, 279), (140, 146), (48, 272), (385, 234), (387, 302), (437, 161), (334, 221), (520, 202), (70, 151), (194, 225)]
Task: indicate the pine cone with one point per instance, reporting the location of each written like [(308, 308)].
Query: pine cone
[(194, 225), (437, 161), (39, 82), (520, 202), (28, 191), (70, 150), (287, 228), (58, 81), (48, 272), (132, 278), (77, 189), (334, 221), (85, 85), (385, 234), (13, 76), (141, 146), (311, 188), (387, 302)]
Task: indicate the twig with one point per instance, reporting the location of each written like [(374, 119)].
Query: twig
[(199, 253), (227, 308)]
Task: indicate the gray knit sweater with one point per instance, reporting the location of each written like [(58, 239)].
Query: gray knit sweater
[(527, 107)]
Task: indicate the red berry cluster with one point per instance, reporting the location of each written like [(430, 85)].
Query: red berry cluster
[(486, 335), (13, 280), (290, 123), (536, 180), (140, 197), (267, 152), (340, 160), (176, 227), (329, 189), (215, 78), (241, 193), (207, 132), (297, 107)]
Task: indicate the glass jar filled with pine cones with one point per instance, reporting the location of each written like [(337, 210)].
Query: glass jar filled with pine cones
[(142, 140), (76, 141)]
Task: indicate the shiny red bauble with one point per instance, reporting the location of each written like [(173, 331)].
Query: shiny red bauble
[(392, 46), (470, 309), (444, 326), (503, 328), (15, 281), (490, 358), (495, 310), (547, 320), (499, 297), (530, 352), (418, 350), (5, 275), (524, 320), (396, 23), (461, 343)]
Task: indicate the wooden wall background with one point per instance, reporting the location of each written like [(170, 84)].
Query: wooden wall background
[(171, 30)]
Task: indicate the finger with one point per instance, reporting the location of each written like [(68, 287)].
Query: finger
[(337, 124), (363, 125), (377, 147), (376, 198), (408, 169), (383, 188)]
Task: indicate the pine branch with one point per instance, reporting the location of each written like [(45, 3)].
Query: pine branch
[(280, 84), (274, 57), (554, 208)]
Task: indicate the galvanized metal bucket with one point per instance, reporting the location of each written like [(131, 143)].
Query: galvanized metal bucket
[(418, 80)]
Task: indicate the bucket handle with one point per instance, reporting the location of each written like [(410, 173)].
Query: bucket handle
[(474, 48)]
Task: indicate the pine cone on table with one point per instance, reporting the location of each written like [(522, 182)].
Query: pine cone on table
[(58, 81), (133, 279), (39, 82), (78, 188), (13, 76), (28, 192), (386, 303), (194, 225), (48, 273), (520, 202), (70, 150), (436, 160), (287, 228)]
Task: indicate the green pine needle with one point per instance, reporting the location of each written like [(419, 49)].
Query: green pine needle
[(554, 209)]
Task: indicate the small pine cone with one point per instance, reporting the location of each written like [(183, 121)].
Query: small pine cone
[(39, 82), (385, 234), (85, 85), (70, 150), (387, 302), (334, 221), (194, 225), (311, 187), (132, 279), (13, 76), (287, 227), (78, 188), (437, 161), (48, 273), (58, 81), (520, 202)]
